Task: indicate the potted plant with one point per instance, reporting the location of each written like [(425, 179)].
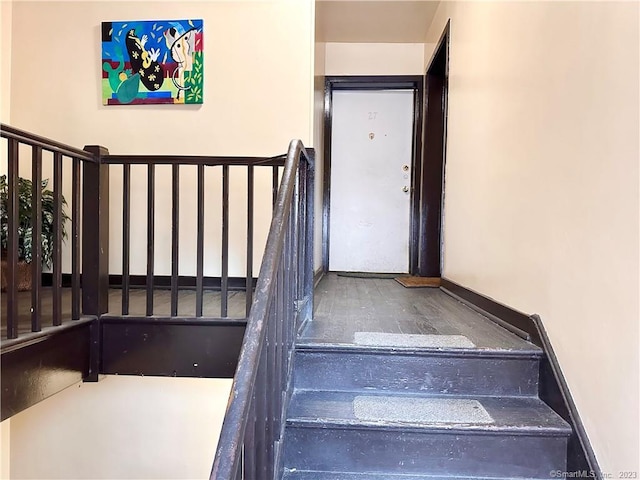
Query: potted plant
[(25, 228)]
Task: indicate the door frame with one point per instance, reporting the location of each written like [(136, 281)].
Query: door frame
[(377, 82), (432, 183)]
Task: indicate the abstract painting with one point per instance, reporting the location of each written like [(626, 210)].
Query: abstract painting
[(152, 62)]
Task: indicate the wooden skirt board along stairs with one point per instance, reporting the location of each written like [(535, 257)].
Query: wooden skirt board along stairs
[(399, 384)]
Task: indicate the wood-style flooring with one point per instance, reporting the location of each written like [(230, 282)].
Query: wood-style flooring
[(137, 305), (346, 305)]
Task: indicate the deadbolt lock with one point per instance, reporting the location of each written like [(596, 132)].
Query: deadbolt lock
[(405, 168), (405, 189)]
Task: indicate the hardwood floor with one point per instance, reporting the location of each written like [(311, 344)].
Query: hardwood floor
[(345, 307), (137, 305), (348, 307)]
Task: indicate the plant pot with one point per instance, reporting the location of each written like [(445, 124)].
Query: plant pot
[(23, 274)]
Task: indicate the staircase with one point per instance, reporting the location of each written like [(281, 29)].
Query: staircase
[(396, 383)]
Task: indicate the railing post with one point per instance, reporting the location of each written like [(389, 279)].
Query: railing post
[(95, 248), (95, 234)]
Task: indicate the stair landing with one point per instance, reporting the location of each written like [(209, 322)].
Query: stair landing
[(359, 312)]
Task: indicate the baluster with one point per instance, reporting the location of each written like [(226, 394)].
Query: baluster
[(175, 217), (249, 448), (12, 240), (224, 281), (151, 201), (294, 247), (290, 305), (126, 235), (294, 276), (300, 228), (240, 468), (75, 239), (57, 238), (200, 243), (249, 279), (270, 401), (36, 240), (261, 419), (308, 233), (274, 184)]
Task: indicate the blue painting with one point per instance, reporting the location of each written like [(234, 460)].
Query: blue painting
[(152, 62)]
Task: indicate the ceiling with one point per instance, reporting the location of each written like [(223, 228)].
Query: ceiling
[(374, 21)]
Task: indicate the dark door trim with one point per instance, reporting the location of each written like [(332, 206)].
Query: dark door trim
[(433, 159), (415, 82)]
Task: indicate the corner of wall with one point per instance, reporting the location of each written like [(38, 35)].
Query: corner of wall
[(6, 12), (433, 33), (5, 449)]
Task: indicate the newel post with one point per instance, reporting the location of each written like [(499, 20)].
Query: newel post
[(95, 248), (95, 234)]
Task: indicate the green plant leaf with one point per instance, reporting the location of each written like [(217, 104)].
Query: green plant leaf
[(25, 226)]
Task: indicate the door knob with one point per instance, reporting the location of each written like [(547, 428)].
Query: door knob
[(405, 189), (405, 168)]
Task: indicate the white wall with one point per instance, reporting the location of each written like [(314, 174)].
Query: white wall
[(374, 59), (429, 50), (5, 117), (258, 96), (6, 7), (541, 200), (5, 449), (122, 427)]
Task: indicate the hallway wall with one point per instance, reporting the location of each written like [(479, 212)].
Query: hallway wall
[(541, 196), (122, 427), (374, 58), (5, 449), (6, 8), (258, 95)]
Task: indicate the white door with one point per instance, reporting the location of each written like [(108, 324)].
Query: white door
[(371, 145)]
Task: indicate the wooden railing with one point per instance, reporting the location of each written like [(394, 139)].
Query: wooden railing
[(83, 164), (177, 164), (71, 321), (90, 218), (249, 444)]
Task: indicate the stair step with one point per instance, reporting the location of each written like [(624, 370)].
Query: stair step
[(417, 435), (520, 415), (432, 371), (314, 475)]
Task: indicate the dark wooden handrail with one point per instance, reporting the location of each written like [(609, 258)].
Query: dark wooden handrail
[(209, 161), (283, 300), (28, 138)]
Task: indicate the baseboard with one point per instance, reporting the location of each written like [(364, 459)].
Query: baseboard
[(553, 388), (317, 276), (160, 282), (514, 321)]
